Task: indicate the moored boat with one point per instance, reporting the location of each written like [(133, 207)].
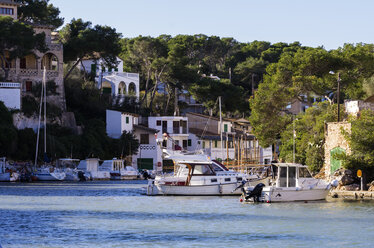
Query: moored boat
[(289, 182)]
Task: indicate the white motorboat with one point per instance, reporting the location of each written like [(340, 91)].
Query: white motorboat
[(118, 170), (92, 171), (49, 174), (195, 178), (69, 166), (289, 182)]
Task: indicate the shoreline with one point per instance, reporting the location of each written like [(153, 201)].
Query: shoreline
[(352, 195)]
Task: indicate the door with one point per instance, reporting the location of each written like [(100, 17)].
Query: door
[(28, 86), (145, 163), (164, 126), (335, 162)]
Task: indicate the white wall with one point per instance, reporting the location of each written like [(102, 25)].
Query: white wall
[(113, 123), (11, 96)]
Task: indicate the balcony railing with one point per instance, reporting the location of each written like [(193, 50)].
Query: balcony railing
[(28, 72), (9, 85)]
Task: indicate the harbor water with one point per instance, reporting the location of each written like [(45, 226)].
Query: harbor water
[(119, 214)]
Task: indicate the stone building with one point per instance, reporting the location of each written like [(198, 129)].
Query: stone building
[(28, 71), (335, 144)]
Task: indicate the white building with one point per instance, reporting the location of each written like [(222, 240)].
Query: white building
[(149, 154), (112, 80), (176, 128), (10, 94)]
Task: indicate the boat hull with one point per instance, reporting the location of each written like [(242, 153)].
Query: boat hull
[(208, 190), (293, 194), (5, 177), (50, 176)]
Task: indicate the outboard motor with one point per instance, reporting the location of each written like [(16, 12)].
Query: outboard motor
[(81, 176), (255, 193)]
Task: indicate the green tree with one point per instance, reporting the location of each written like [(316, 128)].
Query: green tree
[(16, 41), (308, 130), (361, 142), (39, 12), (81, 40)]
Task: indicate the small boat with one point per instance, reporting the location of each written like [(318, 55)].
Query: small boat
[(49, 174), (89, 169), (288, 182), (69, 166), (118, 170)]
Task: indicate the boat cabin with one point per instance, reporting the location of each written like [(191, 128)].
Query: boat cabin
[(288, 174), (112, 165)]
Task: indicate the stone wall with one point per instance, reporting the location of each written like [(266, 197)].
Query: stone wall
[(334, 138)]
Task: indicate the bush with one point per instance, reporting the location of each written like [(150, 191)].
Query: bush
[(29, 106)]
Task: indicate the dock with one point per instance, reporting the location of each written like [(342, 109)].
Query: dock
[(353, 195)]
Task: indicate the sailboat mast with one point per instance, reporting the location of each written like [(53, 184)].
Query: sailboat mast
[(39, 121), (220, 126), (45, 111)]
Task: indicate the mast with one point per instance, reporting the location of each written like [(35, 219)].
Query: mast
[(45, 113), (39, 121), (220, 126)]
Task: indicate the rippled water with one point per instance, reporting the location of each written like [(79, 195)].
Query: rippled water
[(118, 214)]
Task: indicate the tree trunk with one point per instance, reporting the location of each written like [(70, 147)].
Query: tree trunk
[(168, 101), (146, 87), (85, 72), (72, 68)]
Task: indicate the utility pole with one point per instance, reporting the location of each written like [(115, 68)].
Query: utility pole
[(338, 97)]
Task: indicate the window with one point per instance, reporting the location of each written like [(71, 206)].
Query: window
[(158, 123), (6, 11), (304, 173), (189, 143), (203, 144), (202, 169), (127, 120), (215, 144), (116, 69), (184, 143), (144, 138), (93, 69), (22, 63), (175, 126), (225, 128)]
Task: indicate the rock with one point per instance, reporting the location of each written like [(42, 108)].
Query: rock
[(371, 188), (344, 176), (351, 187)]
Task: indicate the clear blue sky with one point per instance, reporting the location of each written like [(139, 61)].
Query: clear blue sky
[(328, 23)]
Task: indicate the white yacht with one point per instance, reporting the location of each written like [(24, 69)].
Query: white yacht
[(289, 182), (118, 170), (196, 178)]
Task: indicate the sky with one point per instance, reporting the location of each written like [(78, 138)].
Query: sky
[(327, 23)]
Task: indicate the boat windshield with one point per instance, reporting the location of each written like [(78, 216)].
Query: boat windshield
[(216, 167), (304, 172), (202, 169)]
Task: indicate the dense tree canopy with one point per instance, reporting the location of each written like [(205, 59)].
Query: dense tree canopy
[(40, 12), (81, 40)]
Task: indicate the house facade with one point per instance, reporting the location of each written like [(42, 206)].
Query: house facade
[(149, 153), (238, 143), (10, 94), (112, 80), (173, 130), (28, 71)]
